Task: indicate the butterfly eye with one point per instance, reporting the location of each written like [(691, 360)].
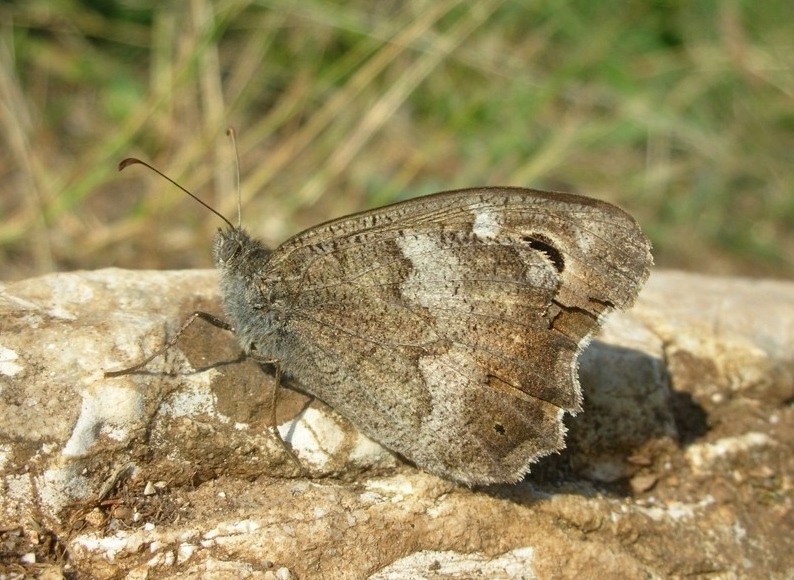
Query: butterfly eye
[(229, 249)]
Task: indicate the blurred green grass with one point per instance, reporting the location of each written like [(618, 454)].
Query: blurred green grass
[(680, 112)]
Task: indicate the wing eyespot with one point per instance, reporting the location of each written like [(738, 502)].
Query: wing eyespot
[(543, 244)]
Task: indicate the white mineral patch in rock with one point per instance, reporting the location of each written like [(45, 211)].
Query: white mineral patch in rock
[(676, 511), (366, 451), (429, 564), (313, 436), (195, 399), (112, 411), (60, 486), (702, 456), (8, 365)]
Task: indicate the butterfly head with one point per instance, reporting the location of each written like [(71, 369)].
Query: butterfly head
[(234, 251)]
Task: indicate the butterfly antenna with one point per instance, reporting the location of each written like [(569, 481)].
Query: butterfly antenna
[(233, 136), (134, 160)]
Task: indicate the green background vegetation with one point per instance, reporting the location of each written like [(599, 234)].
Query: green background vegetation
[(680, 112)]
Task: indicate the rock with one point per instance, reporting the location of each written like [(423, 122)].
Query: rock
[(679, 465)]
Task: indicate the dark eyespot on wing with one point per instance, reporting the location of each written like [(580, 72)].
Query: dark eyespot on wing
[(543, 244)]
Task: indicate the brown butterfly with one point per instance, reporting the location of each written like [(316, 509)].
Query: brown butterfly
[(447, 327)]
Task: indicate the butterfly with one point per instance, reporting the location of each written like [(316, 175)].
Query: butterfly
[(446, 327)]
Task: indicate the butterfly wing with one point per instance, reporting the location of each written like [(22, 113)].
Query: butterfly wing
[(448, 327)]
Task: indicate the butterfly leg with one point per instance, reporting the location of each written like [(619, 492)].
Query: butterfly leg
[(217, 322), (213, 320), (273, 421)]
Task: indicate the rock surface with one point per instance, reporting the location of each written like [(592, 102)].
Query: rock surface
[(680, 465)]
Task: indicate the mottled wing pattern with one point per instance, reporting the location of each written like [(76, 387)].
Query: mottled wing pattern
[(475, 302)]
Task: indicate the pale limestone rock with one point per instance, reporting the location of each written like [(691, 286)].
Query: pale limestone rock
[(175, 471)]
